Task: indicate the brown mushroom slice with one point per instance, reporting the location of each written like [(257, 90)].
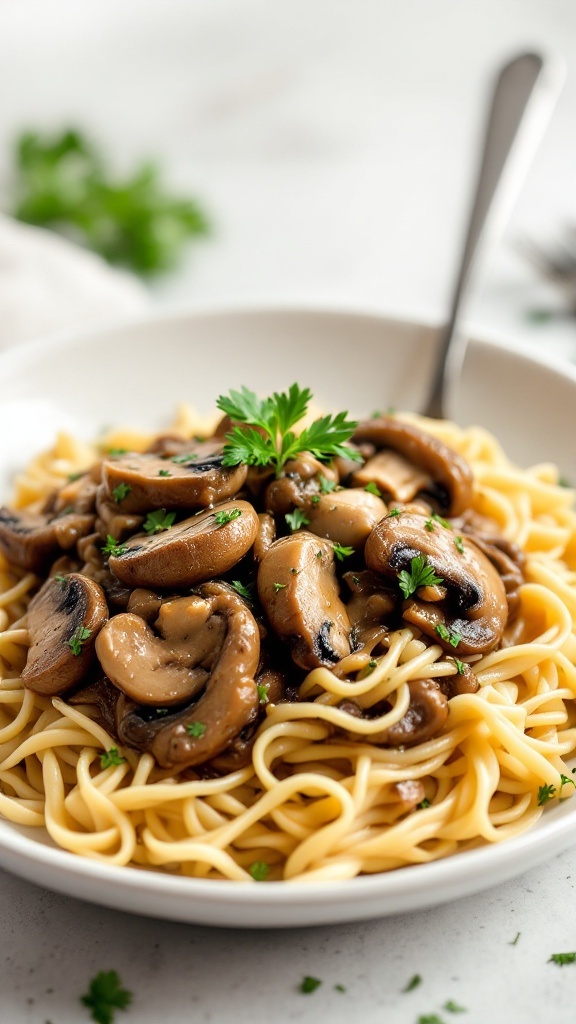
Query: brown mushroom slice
[(229, 702), (193, 551), (425, 717), (79, 493), (64, 619), (472, 617), (451, 474), (300, 480), (111, 521), (345, 517), (31, 540), (372, 601), (266, 535), (140, 482), (298, 589), (167, 667), (509, 561), (393, 474)]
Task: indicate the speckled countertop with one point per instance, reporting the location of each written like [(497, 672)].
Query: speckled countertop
[(334, 143)]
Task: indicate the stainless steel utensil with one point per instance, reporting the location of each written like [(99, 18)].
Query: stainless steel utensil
[(524, 95)]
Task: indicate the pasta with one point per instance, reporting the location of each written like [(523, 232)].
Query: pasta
[(332, 787)]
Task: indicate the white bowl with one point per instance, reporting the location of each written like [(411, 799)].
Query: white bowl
[(135, 373)]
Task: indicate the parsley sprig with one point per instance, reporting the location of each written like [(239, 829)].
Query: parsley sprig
[(158, 521), (105, 995), (421, 575), (79, 638), (274, 417)]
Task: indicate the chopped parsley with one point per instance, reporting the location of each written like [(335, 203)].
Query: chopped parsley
[(545, 793), (319, 554), (224, 516), (421, 575), (453, 1007), (263, 692), (158, 521), (415, 980), (566, 781), (78, 639), (373, 489), (111, 547), (111, 757), (423, 804), (315, 499), (339, 988), (247, 592), (105, 995), (259, 870), (393, 513), (116, 451), (309, 984), (296, 519), (430, 1018), (120, 492), (515, 939), (59, 578), (326, 485), (450, 635), (460, 666), (196, 729), (459, 545), (164, 472), (562, 958), (279, 586), (343, 551), (275, 416)]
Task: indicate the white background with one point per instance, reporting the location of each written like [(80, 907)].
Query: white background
[(333, 143)]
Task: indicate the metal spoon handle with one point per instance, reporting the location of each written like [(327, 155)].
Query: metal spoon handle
[(523, 98)]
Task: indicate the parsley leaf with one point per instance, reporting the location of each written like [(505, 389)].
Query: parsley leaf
[(275, 416), (247, 592), (459, 545), (343, 551), (78, 639), (226, 516), (421, 575), (309, 984), (453, 1007), (296, 519), (326, 485), (423, 804), (104, 996), (185, 457), (259, 870), (196, 729), (112, 547), (545, 793), (164, 472), (450, 635), (279, 586), (460, 667), (415, 980), (562, 958), (515, 939), (60, 578), (158, 521), (111, 757), (373, 489), (120, 492), (64, 183), (263, 692)]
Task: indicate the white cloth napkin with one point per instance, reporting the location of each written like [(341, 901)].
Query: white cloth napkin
[(48, 283)]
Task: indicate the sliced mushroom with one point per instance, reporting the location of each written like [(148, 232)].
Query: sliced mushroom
[(472, 617), (194, 550), (425, 717), (167, 667), (64, 619), (509, 561), (299, 481), (450, 473), (79, 494), (345, 517), (33, 540), (266, 535), (393, 475), (372, 601), (140, 482), (298, 589), (230, 700), (111, 522)]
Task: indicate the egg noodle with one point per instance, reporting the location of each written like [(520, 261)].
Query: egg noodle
[(319, 800)]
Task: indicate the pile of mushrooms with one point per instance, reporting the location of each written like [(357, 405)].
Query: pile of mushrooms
[(182, 596)]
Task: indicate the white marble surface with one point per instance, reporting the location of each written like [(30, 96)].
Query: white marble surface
[(333, 142)]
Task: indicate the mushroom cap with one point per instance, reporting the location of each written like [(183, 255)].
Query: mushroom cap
[(450, 473), (196, 482), (229, 702), (56, 614), (472, 602), (298, 589), (31, 540), (345, 517), (190, 552)]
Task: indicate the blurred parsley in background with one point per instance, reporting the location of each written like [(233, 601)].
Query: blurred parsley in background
[(63, 183)]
